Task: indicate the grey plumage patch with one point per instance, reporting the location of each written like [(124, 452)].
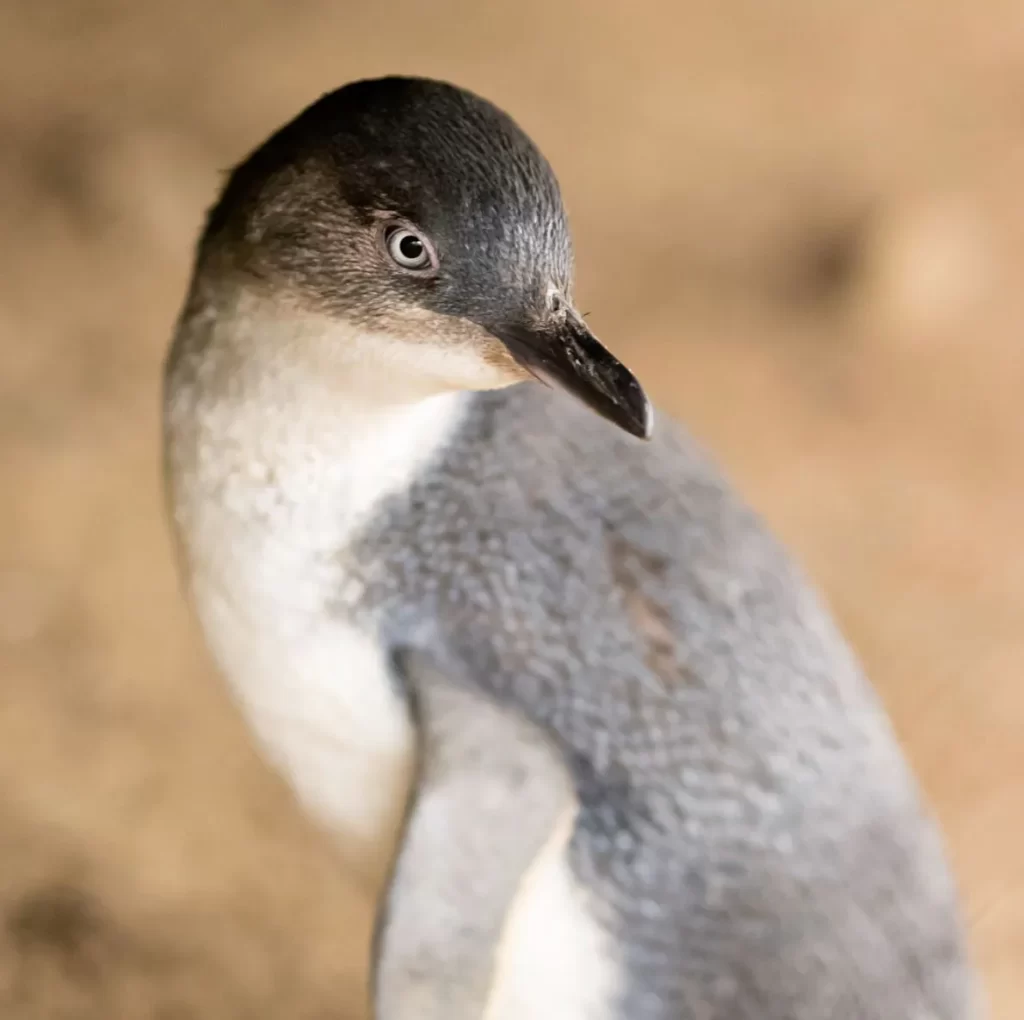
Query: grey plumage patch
[(746, 819)]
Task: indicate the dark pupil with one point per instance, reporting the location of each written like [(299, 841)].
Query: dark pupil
[(411, 247)]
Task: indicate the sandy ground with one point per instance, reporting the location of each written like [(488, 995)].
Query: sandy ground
[(802, 223)]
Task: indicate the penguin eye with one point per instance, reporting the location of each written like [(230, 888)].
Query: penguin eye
[(409, 249)]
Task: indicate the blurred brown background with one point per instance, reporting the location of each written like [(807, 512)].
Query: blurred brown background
[(801, 222)]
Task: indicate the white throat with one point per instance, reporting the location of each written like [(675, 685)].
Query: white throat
[(285, 431), (268, 490), (274, 470)]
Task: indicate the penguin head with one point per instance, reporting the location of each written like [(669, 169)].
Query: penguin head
[(421, 222)]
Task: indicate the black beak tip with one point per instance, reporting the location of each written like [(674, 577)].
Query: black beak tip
[(635, 414), (642, 425)]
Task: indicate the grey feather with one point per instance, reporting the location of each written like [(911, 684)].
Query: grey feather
[(745, 813)]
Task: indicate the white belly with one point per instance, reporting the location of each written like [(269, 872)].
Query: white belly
[(323, 706), (555, 961)]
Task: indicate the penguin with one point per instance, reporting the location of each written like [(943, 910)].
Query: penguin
[(575, 719)]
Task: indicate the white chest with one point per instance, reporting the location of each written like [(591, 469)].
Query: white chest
[(323, 707), (268, 506)]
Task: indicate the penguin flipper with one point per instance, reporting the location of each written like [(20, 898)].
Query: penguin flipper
[(491, 796)]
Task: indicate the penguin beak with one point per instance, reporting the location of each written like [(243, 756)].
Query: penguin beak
[(565, 354)]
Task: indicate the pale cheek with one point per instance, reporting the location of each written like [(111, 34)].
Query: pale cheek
[(455, 352), (497, 374), (467, 366), (496, 367)]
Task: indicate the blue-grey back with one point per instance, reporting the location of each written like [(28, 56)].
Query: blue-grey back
[(745, 810)]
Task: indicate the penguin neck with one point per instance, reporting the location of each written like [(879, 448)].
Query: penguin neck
[(274, 465)]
